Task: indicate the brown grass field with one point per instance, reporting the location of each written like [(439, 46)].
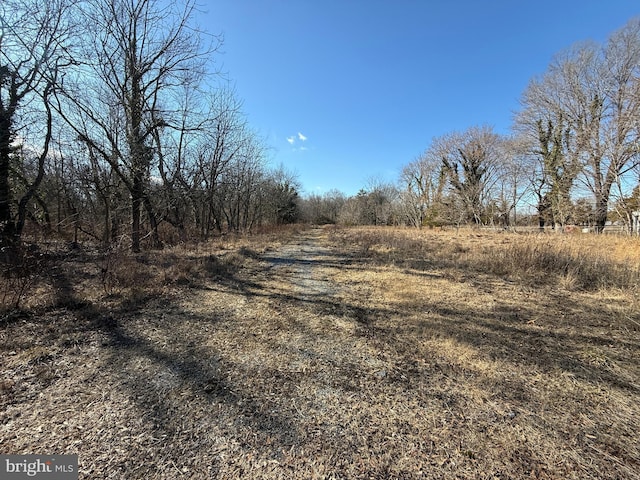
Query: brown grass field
[(329, 353)]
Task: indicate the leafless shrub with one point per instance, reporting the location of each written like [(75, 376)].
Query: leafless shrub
[(21, 267), (120, 269), (223, 266), (248, 252), (179, 270)]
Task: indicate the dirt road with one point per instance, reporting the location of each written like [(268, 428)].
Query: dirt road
[(304, 263), (303, 359)]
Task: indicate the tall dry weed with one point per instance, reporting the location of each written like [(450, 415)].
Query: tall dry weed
[(578, 261), (573, 261)]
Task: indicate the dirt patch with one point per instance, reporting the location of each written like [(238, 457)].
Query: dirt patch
[(313, 358), (301, 264)]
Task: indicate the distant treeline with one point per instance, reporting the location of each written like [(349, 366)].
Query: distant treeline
[(115, 127)]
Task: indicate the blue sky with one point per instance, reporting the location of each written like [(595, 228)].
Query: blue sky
[(345, 91)]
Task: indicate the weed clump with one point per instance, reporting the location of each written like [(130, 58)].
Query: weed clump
[(585, 265), (588, 262)]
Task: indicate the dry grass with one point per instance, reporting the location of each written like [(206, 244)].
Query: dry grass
[(60, 274), (581, 261), (355, 353)]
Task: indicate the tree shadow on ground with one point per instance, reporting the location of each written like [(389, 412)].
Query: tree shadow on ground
[(545, 348), (150, 371), (503, 332), (189, 367)]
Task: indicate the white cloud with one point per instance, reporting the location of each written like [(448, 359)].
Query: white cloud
[(301, 137), (291, 140)]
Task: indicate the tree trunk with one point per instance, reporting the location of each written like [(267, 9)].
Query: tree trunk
[(602, 205), (7, 225), (600, 214), (153, 221), (6, 222), (137, 193), (26, 198)]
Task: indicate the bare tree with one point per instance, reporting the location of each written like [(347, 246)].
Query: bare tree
[(33, 54), (559, 170), (192, 151), (547, 136), (611, 133), (323, 209), (595, 90), (282, 198), (240, 193), (421, 189), (471, 160), (379, 202), (138, 53), (224, 145), (513, 183)]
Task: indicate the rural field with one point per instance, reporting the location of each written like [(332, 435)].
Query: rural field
[(330, 353)]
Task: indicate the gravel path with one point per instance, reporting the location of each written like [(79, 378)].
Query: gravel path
[(302, 263)]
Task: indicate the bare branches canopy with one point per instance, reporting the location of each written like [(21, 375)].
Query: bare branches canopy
[(115, 124), (576, 146)]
